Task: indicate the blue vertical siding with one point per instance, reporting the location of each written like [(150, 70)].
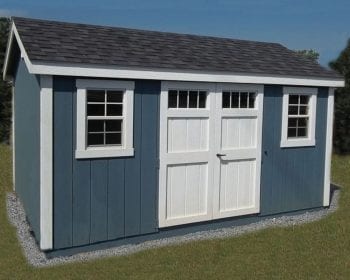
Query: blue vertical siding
[(27, 144), (291, 178), (63, 162), (104, 199)]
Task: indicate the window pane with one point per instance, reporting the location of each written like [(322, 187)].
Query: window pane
[(303, 110), (115, 96), (114, 125), (252, 100), (292, 132), (114, 109), (304, 99), (302, 132), (292, 122), (293, 110), (293, 99), (226, 99), (244, 100), (235, 100), (95, 139), (95, 96), (182, 99), (172, 99), (302, 122), (95, 109), (113, 139), (202, 99), (193, 99), (95, 125)]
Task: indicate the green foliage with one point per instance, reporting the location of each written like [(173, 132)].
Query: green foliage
[(5, 88), (312, 54), (341, 136)]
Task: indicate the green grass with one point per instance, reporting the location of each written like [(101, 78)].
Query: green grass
[(319, 250)]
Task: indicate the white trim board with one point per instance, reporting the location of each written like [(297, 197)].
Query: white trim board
[(107, 71), (13, 140), (329, 144), (46, 163)]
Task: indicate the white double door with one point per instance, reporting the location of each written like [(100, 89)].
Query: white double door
[(210, 151)]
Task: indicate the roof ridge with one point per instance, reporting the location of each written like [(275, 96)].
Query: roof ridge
[(145, 30)]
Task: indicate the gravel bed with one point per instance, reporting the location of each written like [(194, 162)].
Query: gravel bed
[(37, 258)]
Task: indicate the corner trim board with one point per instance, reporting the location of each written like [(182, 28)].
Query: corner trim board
[(13, 140), (329, 144), (46, 163)]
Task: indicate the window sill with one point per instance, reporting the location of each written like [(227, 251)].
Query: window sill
[(105, 152), (298, 143)]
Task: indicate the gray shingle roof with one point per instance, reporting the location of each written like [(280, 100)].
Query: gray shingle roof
[(59, 42)]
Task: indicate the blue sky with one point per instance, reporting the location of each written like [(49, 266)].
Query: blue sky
[(323, 25)]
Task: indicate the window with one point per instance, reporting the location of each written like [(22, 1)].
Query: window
[(104, 118), (238, 100), (187, 99), (298, 117)]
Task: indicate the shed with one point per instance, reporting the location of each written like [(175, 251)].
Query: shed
[(122, 135)]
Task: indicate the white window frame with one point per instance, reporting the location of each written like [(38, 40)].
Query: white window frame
[(126, 149), (301, 141)]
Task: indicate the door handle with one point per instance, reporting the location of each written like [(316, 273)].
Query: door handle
[(221, 155)]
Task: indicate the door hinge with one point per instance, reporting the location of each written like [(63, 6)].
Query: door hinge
[(158, 163)]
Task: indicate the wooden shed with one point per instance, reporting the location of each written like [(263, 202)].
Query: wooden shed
[(123, 135)]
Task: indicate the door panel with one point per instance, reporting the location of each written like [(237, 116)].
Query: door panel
[(236, 185), (187, 190), (238, 142), (193, 134), (185, 160)]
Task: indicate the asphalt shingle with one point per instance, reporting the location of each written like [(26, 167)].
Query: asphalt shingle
[(60, 42)]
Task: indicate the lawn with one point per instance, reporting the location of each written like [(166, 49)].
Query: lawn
[(319, 250)]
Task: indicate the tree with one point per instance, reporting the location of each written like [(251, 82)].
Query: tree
[(5, 88), (341, 135), (312, 54)]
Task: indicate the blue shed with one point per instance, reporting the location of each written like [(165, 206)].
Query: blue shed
[(122, 135)]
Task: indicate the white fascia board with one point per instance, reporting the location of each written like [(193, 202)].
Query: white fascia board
[(171, 75), (46, 163), (8, 51), (14, 34)]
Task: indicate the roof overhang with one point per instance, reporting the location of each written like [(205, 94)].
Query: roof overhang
[(106, 71)]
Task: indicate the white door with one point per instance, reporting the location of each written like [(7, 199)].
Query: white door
[(238, 145), (209, 155)]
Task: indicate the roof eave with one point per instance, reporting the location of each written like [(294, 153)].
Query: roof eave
[(107, 71)]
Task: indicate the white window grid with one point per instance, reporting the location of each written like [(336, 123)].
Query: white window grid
[(251, 95), (299, 116), (189, 92), (106, 117)]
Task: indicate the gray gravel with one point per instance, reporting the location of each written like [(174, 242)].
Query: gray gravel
[(38, 259)]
